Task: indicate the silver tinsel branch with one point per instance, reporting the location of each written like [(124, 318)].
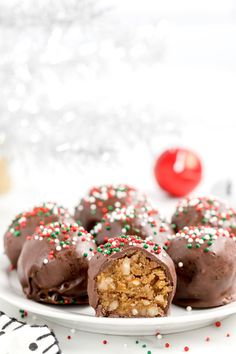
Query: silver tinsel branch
[(52, 55)]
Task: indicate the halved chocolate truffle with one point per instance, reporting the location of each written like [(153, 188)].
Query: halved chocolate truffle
[(205, 262), (144, 222), (130, 277), (103, 199), (208, 211), (25, 224), (53, 264)]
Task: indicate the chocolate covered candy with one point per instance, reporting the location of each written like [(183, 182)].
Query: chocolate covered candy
[(25, 224), (130, 277), (53, 264), (144, 222), (204, 211), (205, 262), (103, 199)]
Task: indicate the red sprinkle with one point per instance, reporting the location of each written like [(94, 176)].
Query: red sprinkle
[(104, 341), (186, 349), (167, 345), (207, 339), (69, 337), (217, 323), (227, 335)]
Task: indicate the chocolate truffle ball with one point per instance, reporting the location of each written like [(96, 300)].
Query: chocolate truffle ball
[(130, 277), (206, 211), (103, 199), (144, 222), (205, 262), (53, 264), (25, 224)]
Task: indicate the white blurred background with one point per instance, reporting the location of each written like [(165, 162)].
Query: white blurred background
[(91, 91)]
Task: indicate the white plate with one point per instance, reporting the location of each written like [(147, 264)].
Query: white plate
[(82, 317)]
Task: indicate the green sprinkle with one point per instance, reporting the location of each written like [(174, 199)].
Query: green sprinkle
[(206, 249), (17, 233), (110, 207), (145, 246), (198, 245), (189, 246), (85, 254), (144, 345), (209, 243), (137, 342), (108, 228)]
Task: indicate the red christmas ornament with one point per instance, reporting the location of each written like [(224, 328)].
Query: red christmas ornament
[(178, 171)]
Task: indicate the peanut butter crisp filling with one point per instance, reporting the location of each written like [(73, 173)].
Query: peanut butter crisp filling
[(133, 286), (134, 280)]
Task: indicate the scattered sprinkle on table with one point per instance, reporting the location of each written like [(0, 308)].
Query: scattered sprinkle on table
[(217, 323)]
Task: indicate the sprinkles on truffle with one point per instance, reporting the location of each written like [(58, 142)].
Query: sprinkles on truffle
[(202, 236), (135, 219), (98, 196), (46, 209), (117, 244), (63, 236), (211, 209)]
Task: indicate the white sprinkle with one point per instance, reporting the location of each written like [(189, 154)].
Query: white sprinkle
[(180, 264), (188, 308), (45, 261), (159, 336), (72, 331), (93, 206), (58, 248)]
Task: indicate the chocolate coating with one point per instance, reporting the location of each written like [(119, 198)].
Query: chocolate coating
[(205, 262), (53, 264), (206, 211), (25, 224), (120, 247), (144, 222), (103, 199)]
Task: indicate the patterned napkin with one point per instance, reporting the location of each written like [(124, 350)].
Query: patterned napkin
[(20, 338)]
